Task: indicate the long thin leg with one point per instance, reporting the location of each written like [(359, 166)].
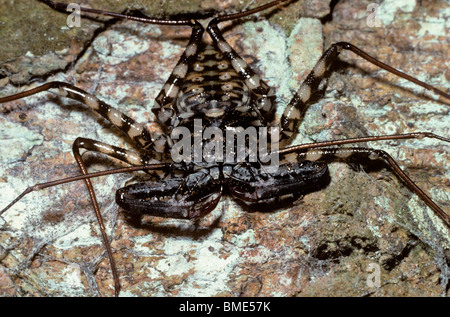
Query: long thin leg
[(406, 136), (121, 154), (164, 108), (63, 7), (316, 153), (295, 110), (127, 156), (40, 186), (136, 131), (98, 214)]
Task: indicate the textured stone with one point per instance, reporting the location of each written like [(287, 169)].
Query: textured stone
[(321, 245)]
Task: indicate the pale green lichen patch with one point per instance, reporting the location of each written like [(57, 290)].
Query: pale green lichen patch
[(389, 8), (17, 139)]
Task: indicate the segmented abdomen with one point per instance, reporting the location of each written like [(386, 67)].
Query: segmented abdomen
[(212, 88)]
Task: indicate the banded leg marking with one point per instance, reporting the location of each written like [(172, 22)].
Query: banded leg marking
[(265, 97), (127, 156), (135, 131), (106, 243), (295, 110), (164, 108)]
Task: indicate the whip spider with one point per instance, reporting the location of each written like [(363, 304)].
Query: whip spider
[(50, 240)]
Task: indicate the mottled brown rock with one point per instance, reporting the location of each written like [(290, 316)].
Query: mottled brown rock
[(321, 245)]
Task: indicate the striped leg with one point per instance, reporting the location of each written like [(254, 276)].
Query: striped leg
[(140, 198), (136, 131), (76, 151), (127, 156), (295, 110), (163, 108), (124, 155), (265, 97)]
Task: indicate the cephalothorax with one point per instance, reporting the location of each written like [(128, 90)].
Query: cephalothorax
[(212, 87)]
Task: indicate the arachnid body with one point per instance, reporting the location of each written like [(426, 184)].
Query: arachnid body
[(232, 252)]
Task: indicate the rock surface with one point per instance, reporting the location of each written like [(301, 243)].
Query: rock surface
[(330, 243)]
